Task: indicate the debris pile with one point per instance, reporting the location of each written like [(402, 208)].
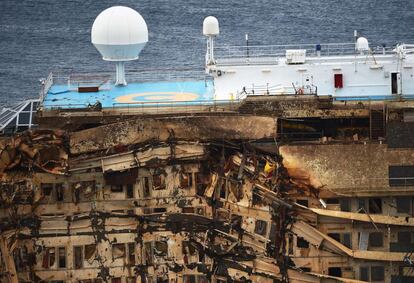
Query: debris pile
[(43, 149), (151, 201)]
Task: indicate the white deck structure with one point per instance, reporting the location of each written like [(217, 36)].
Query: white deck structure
[(344, 71)]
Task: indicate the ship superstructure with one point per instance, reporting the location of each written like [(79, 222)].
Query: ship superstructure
[(278, 164)]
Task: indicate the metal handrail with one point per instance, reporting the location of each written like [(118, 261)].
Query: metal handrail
[(139, 75), (190, 106), (68, 106), (326, 49), (402, 97), (46, 84)]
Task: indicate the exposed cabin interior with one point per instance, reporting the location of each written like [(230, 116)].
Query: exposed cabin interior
[(315, 193)]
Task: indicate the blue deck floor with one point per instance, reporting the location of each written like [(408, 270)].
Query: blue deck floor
[(60, 96)]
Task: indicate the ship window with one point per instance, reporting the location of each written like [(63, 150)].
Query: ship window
[(188, 248), (363, 273), (343, 238), (335, 236), (48, 258), (118, 251), (290, 244), (346, 240), (375, 240), (130, 191), (90, 251), (161, 248), (186, 180), (131, 253), (59, 192), (199, 210), (377, 273), (78, 256), (223, 190), (158, 248), (148, 253), (404, 237), (159, 209), (158, 182), (345, 204), (236, 221), (62, 257), (188, 209), (401, 175), (394, 83), (117, 188), (339, 81), (145, 187), (260, 227), (403, 204), (332, 201), (375, 205), (335, 271), (46, 189), (362, 205), (302, 243)]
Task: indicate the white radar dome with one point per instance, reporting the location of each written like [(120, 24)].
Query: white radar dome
[(119, 33), (362, 44), (211, 26)]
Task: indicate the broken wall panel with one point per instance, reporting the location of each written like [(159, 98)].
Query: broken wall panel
[(184, 128)]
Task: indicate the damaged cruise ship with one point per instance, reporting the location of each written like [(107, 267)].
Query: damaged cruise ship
[(276, 164)]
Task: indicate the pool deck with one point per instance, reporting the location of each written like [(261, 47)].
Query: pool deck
[(138, 94)]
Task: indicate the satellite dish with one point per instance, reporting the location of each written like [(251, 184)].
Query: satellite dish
[(362, 44), (210, 29), (211, 26), (119, 33)]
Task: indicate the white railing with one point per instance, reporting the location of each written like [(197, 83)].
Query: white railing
[(46, 85), (278, 89), (272, 51), (73, 80), (19, 116)]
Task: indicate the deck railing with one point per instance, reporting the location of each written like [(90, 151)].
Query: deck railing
[(76, 79), (161, 107), (156, 107), (255, 52), (46, 84)]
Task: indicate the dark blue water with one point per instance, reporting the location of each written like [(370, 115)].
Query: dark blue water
[(37, 36)]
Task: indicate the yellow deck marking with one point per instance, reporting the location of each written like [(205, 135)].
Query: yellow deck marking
[(158, 96)]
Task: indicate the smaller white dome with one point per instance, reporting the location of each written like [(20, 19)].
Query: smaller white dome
[(119, 33), (211, 26), (362, 44)]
